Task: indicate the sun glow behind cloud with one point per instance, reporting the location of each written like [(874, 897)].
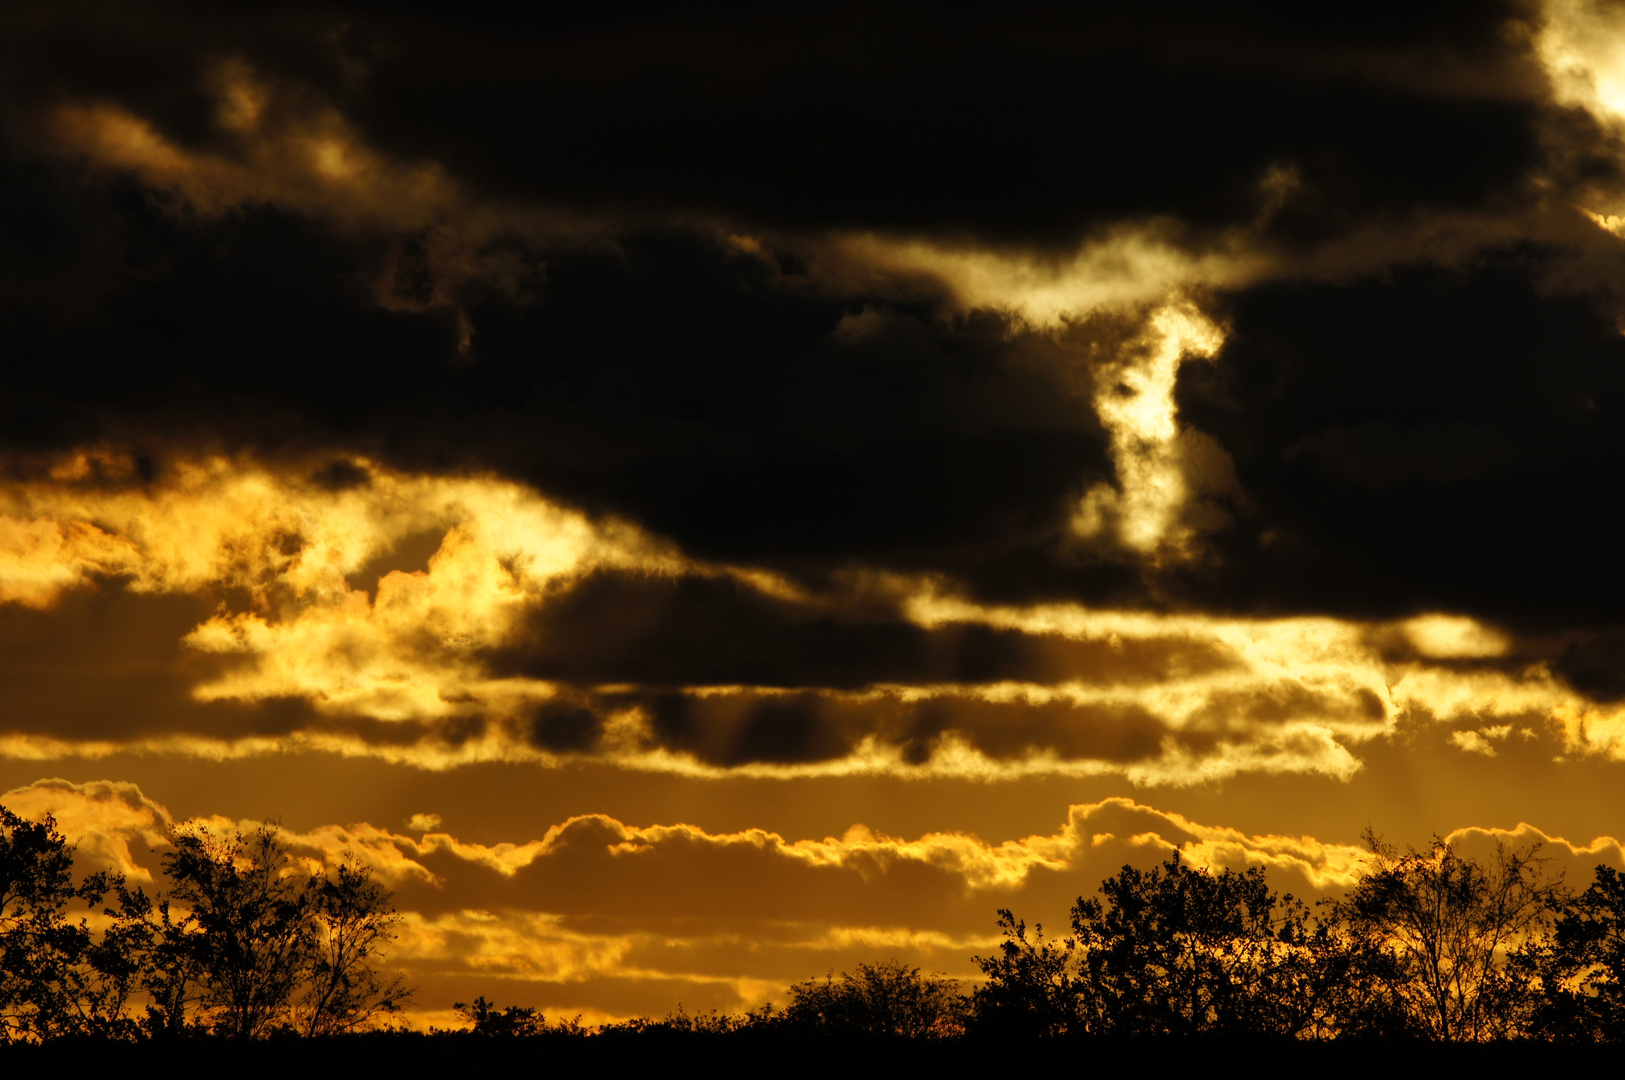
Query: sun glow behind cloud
[(1583, 46)]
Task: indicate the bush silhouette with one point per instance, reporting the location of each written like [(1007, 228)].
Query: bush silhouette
[(885, 999)]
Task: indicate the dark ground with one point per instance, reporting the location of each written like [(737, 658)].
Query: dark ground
[(779, 1055)]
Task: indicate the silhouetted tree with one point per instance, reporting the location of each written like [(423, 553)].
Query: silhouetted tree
[(1177, 951), (172, 974), (1580, 968), (262, 946), (351, 922), (1349, 984), (58, 977), (1448, 927), (886, 999), (247, 930), (1030, 990)]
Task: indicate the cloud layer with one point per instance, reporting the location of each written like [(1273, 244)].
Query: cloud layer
[(438, 620), (602, 916)]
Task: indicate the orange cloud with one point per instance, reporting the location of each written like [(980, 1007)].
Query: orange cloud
[(597, 912), (102, 818), (317, 613), (41, 558)]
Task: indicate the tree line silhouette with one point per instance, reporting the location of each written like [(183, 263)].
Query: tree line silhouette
[(242, 944), (1425, 945)]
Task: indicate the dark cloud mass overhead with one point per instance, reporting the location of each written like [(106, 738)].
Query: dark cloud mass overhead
[(1431, 438), (1137, 405), (1026, 126)]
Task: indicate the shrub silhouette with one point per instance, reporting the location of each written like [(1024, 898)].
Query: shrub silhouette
[(485, 1019), (885, 999)]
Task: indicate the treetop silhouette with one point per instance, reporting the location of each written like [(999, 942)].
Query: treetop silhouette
[(244, 943), (1425, 944)]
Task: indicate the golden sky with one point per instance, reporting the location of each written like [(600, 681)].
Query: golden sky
[(700, 503)]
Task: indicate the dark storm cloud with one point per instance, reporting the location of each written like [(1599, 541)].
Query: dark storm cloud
[(1431, 438), (104, 666), (621, 627), (849, 116), (807, 727), (717, 400), (690, 386), (1026, 125), (1595, 665), (748, 727), (714, 395), (131, 323)]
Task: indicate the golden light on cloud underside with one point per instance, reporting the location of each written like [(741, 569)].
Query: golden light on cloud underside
[(107, 816), (41, 558), (1129, 267), (1223, 697), (289, 543), (220, 522)]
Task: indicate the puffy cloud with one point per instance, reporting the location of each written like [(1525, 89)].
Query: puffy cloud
[(1573, 863), (596, 871), (40, 558), (101, 819), (607, 917)]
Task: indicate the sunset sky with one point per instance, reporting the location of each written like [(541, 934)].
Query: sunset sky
[(701, 499)]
